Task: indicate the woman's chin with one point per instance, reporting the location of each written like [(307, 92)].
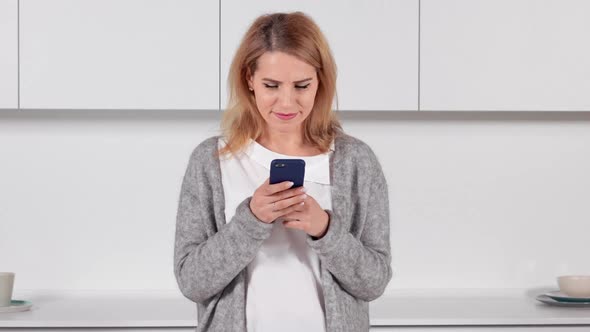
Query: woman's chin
[(285, 127)]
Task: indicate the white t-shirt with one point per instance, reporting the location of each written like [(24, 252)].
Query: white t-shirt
[(284, 283)]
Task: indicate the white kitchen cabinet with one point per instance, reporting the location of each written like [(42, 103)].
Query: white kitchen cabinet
[(374, 43), (8, 54), (536, 328), (502, 55), (539, 328), (94, 329), (372, 329), (401, 311), (109, 54)]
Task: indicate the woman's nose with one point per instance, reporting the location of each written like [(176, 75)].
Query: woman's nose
[(286, 97)]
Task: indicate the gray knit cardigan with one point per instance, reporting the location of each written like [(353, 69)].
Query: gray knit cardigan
[(211, 256)]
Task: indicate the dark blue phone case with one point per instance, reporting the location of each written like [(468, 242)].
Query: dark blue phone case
[(287, 170)]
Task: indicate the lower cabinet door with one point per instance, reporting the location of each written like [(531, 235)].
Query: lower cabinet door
[(561, 328), (99, 329)]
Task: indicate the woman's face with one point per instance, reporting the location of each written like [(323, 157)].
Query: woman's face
[(284, 88)]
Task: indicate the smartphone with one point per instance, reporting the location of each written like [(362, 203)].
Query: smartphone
[(287, 170)]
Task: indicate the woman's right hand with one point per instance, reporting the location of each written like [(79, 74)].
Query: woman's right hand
[(271, 201)]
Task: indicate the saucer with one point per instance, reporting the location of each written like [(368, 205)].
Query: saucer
[(16, 306), (548, 300), (561, 297)]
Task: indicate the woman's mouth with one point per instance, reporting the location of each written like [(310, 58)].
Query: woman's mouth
[(285, 116)]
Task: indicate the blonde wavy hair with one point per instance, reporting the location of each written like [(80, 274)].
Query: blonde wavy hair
[(295, 34)]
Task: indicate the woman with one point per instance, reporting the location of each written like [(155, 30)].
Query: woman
[(256, 256)]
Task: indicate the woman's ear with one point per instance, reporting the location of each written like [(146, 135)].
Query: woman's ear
[(250, 79), (250, 84)]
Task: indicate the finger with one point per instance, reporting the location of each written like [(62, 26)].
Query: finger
[(263, 188), (278, 187), (285, 203), (295, 215), (287, 194), (269, 210), (288, 210)]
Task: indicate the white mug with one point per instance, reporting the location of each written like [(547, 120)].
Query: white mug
[(6, 286)]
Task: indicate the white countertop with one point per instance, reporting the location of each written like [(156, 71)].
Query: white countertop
[(102, 309), (408, 308)]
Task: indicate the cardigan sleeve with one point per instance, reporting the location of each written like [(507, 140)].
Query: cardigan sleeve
[(206, 260), (361, 266)]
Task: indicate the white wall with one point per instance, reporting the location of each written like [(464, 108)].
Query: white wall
[(88, 198)]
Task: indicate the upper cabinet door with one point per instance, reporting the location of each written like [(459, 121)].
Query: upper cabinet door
[(8, 54), (109, 54), (374, 43), (525, 55)]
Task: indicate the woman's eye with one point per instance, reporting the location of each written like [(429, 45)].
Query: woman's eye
[(297, 86)]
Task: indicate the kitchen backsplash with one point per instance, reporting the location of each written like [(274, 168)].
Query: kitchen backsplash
[(494, 200)]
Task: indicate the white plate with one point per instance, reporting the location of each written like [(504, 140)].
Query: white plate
[(546, 299), (16, 306), (559, 296)]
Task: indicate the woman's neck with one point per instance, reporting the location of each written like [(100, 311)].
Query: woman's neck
[(291, 144)]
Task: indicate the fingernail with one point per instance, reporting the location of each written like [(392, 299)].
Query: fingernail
[(303, 196), (303, 189), (291, 184)]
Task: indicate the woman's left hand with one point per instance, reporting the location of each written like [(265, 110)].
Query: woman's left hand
[(310, 218)]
